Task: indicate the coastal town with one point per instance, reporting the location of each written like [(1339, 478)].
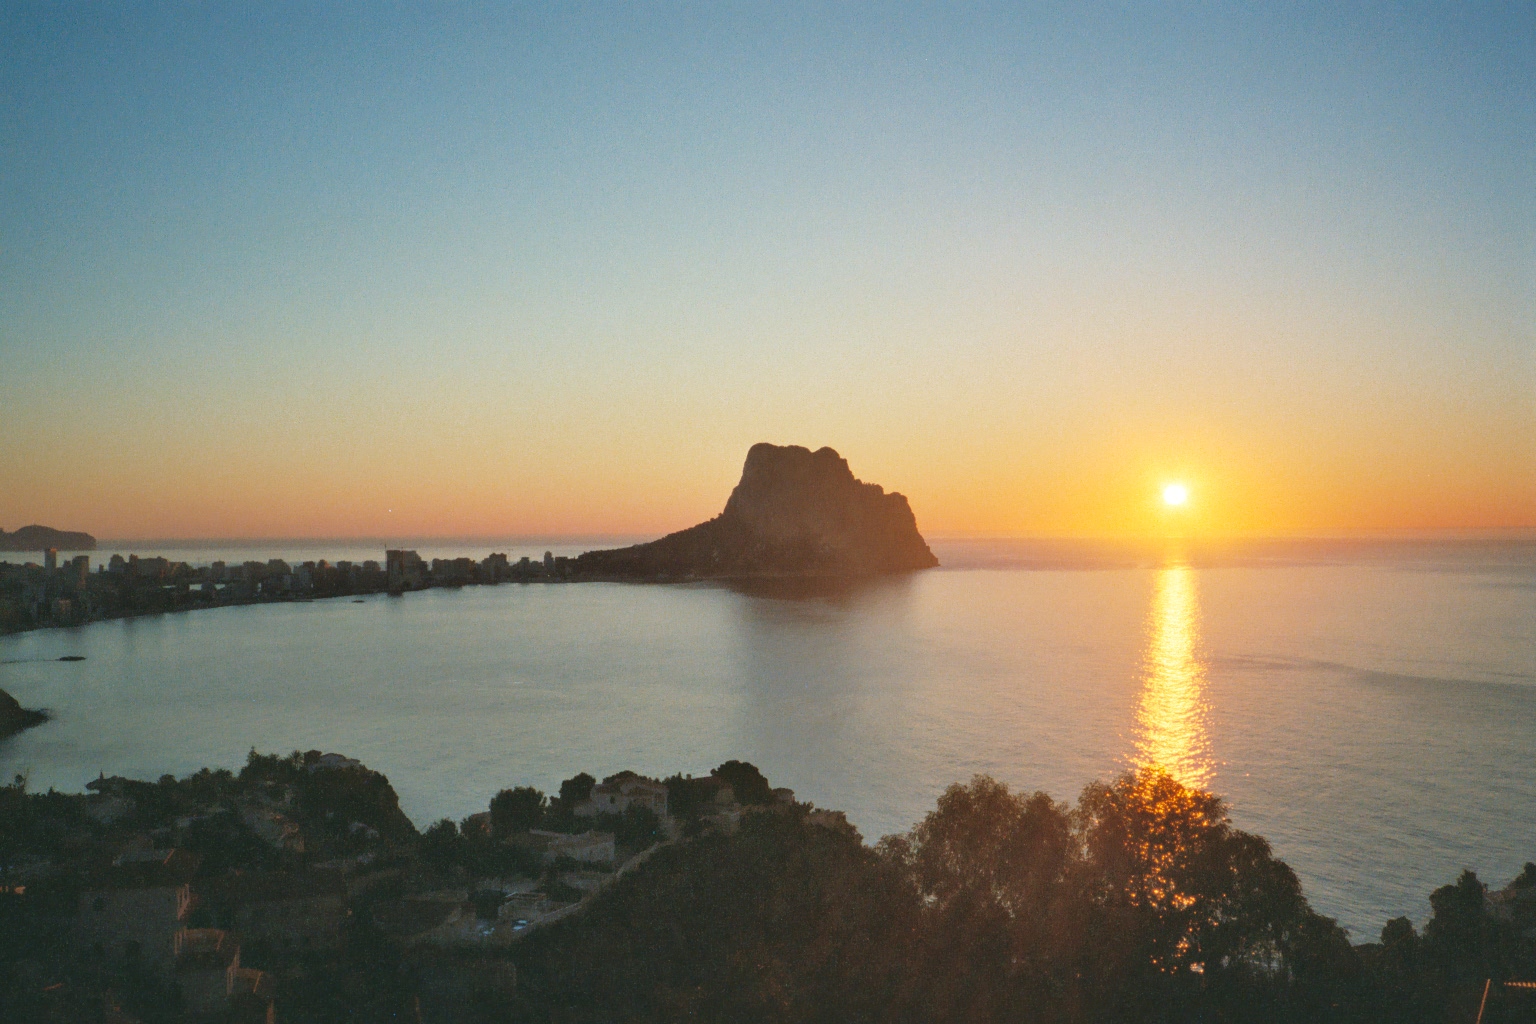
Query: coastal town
[(794, 513), (65, 592), (272, 892)]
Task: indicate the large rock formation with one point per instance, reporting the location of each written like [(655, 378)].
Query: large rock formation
[(795, 512), (41, 538)]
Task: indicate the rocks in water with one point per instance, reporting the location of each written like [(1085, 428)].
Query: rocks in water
[(794, 512), (14, 717), (41, 538)]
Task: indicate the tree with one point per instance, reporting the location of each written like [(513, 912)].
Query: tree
[(516, 810), (1141, 902), (1460, 938), (983, 839), (745, 781), (686, 798), (575, 791), (992, 867), (441, 844)]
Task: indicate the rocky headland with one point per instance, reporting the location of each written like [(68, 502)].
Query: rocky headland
[(14, 717), (795, 512), (41, 538)]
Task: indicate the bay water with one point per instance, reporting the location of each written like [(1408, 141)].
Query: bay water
[(1369, 707)]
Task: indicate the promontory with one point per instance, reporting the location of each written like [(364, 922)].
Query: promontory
[(794, 512), (14, 717)]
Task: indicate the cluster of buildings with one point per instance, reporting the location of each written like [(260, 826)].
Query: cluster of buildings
[(57, 593), (405, 570), (618, 793), (214, 898), (229, 926), (150, 908), (159, 889), (220, 893)]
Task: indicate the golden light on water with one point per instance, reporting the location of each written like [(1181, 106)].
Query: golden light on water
[(1171, 715)]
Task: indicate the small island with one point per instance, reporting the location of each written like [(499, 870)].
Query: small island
[(41, 538)]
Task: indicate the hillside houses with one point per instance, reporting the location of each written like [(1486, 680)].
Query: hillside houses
[(618, 793)]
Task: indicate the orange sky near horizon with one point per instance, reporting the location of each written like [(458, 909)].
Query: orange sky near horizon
[(482, 480), (1058, 428)]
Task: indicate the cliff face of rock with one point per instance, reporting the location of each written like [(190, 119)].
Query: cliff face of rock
[(41, 538), (796, 512)]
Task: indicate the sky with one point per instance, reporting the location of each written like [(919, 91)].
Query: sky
[(457, 270)]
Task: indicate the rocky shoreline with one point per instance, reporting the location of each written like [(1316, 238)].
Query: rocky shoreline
[(14, 718)]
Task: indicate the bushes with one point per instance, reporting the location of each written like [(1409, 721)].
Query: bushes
[(516, 810)]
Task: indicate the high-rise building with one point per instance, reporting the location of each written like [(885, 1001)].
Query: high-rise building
[(51, 558), (494, 568), (405, 569)]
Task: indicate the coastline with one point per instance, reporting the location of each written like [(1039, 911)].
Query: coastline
[(63, 598)]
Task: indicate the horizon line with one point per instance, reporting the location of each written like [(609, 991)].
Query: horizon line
[(1503, 533)]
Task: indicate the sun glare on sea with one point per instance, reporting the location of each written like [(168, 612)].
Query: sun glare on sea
[(1171, 715), (1175, 495)]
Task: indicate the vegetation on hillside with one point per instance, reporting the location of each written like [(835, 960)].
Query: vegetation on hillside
[(1140, 903)]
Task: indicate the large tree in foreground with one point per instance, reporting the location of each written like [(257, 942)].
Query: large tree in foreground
[(1143, 902)]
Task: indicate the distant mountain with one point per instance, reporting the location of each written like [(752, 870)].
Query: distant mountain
[(41, 538), (794, 512)]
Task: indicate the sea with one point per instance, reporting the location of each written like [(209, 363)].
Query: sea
[(1367, 706)]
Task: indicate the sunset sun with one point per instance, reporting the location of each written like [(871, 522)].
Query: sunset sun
[(1175, 495)]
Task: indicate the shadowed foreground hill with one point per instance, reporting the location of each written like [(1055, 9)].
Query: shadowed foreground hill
[(783, 921), (794, 512), (1141, 903)]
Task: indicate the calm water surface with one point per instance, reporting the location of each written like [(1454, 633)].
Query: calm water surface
[(1369, 709)]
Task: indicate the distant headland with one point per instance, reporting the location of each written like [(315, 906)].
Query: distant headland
[(794, 512), (41, 538)]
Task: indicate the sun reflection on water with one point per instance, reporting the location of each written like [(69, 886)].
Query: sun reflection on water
[(1171, 715)]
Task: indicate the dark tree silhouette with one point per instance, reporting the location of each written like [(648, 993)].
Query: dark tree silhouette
[(516, 810), (746, 781)]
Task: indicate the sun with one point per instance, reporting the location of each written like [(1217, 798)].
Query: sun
[(1175, 495)]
